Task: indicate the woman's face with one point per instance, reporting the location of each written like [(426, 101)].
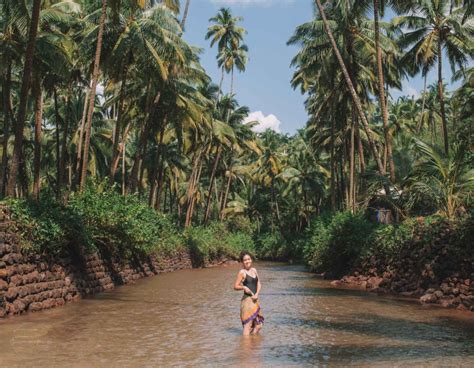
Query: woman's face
[(247, 261)]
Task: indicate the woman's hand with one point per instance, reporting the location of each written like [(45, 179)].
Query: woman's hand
[(247, 290), (254, 297)]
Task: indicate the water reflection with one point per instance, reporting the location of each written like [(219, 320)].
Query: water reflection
[(191, 318), (249, 350)]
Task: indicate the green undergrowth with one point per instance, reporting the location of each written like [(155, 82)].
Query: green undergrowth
[(338, 243), (122, 225)]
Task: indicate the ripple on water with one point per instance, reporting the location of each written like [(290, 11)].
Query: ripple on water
[(191, 318)]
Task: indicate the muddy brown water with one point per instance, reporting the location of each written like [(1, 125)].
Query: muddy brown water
[(191, 318)]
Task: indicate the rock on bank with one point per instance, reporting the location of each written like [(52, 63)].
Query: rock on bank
[(435, 265), (33, 282)]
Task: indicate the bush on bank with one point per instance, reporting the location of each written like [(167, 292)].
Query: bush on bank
[(341, 242), (123, 225)]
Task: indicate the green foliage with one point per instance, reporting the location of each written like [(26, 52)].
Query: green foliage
[(124, 223), (271, 246), (107, 221), (48, 226), (216, 241), (335, 244)]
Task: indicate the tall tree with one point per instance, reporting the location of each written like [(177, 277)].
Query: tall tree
[(381, 90), (429, 30), (352, 91), (25, 85), (92, 92)]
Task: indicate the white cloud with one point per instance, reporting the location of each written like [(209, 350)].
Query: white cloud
[(264, 122), (246, 3)]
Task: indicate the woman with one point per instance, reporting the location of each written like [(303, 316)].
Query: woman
[(248, 281)]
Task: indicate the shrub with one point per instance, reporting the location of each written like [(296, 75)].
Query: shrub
[(216, 241), (48, 226), (124, 224), (335, 244), (271, 246), (119, 225)]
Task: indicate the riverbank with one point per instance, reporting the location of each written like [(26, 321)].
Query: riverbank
[(33, 281), (433, 263)]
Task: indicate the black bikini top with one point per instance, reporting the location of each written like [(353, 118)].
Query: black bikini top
[(251, 282)]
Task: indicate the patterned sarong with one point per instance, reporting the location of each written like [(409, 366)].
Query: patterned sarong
[(250, 311)]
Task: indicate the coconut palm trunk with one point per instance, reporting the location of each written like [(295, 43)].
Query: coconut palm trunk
[(441, 97), (118, 127), (95, 77), (220, 85), (7, 117), (64, 153), (352, 91), (57, 119), (423, 102), (185, 14), (25, 85), (81, 131), (333, 165), (382, 103), (211, 184), (37, 150)]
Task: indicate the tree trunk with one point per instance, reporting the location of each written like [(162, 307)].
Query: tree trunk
[(220, 85), (64, 153), (95, 77), (211, 184), (354, 95), (118, 127), (352, 164), (37, 150), (121, 151), (231, 82), (193, 180), (157, 166), (81, 133), (226, 194), (383, 105), (133, 178), (58, 145), (25, 84), (332, 164), (441, 98), (123, 168), (423, 101), (7, 117), (360, 150), (185, 14)]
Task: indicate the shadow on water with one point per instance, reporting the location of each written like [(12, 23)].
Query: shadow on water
[(389, 327), (353, 354)]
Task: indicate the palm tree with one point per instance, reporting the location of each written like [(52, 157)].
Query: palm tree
[(25, 84), (430, 30), (445, 180), (90, 109), (185, 14), (352, 91), (230, 58), (226, 33)]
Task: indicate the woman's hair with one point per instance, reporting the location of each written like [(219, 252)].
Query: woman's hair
[(243, 254)]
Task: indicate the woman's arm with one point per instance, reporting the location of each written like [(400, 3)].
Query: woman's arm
[(238, 283)]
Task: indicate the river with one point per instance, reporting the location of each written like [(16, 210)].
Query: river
[(191, 318)]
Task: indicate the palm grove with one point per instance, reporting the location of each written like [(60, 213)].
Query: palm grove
[(161, 133)]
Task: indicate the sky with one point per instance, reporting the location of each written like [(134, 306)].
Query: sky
[(265, 85)]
